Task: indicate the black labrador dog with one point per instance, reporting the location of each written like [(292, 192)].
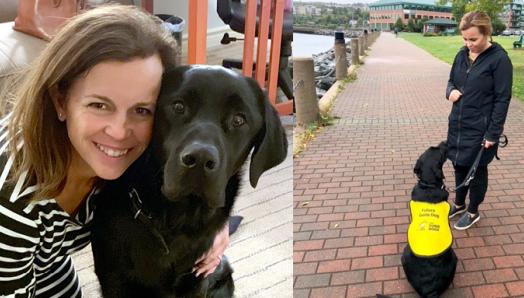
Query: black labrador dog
[(428, 260), (152, 224)]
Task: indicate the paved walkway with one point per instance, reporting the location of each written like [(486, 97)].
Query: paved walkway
[(353, 182)]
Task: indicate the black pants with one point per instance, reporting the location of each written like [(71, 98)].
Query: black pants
[(477, 187)]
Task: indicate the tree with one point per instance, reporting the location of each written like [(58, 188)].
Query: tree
[(419, 25), (411, 25), (399, 24), (460, 7), (498, 26)]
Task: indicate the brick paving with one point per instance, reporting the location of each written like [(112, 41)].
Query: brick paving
[(353, 182)]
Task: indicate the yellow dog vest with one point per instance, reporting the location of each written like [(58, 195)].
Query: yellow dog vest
[(429, 233)]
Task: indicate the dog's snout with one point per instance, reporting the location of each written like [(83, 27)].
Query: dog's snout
[(201, 156)]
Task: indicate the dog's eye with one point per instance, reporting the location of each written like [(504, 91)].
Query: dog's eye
[(239, 120), (179, 107)]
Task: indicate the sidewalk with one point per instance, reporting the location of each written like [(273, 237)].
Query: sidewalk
[(353, 182)]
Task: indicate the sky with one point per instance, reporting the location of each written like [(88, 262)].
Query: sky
[(338, 1)]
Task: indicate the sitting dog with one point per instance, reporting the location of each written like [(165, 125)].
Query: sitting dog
[(155, 221), (428, 260)]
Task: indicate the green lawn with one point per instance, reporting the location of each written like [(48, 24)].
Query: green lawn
[(446, 47)]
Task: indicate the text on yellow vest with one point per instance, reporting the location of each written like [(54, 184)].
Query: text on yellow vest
[(429, 233)]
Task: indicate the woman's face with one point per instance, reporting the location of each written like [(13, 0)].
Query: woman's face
[(474, 40), (109, 115)]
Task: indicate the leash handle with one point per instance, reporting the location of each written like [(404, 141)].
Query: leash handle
[(503, 141)]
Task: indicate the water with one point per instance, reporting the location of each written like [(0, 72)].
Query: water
[(305, 45)]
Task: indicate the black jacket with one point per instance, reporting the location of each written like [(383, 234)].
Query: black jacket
[(481, 111)]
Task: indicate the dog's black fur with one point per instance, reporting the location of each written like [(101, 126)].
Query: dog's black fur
[(430, 277), (207, 121)]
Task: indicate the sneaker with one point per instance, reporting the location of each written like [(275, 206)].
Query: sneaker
[(455, 210), (466, 221)]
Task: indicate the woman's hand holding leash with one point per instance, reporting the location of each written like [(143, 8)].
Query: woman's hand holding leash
[(209, 261), (487, 144), (455, 95)]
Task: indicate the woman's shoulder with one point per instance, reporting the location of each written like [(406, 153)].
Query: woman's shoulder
[(462, 53), (14, 217), (497, 57), (26, 214)]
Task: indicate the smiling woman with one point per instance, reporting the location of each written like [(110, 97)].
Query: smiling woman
[(108, 124), (109, 115)]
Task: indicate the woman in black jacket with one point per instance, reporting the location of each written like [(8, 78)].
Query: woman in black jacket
[(480, 88)]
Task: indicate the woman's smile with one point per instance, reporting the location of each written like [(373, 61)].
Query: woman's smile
[(112, 152)]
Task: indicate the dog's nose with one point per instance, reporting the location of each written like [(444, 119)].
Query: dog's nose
[(200, 156)]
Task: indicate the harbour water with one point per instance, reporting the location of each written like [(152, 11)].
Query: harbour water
[(305, 45)]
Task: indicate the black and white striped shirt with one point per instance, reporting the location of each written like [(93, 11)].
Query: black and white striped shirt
[(37, 238)]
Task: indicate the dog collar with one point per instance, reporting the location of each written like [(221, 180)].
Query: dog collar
[(429, 233), (137, 208), (427, 185)]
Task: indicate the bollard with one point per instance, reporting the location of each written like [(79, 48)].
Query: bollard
[(354, 52), (305, 92), (367, 40), (361, 45), (341, 61)]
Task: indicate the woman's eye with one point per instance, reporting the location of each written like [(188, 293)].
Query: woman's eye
[(179, 107), (98, 105), (239, 120), (143, 111)]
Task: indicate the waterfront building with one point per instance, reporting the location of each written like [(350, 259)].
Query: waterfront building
[(513, 15), (384, 13), (310, 10), (445, 26)]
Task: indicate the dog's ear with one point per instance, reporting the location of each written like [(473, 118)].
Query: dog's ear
[(418, 167), (270, 142), (172, 78), (437, 170), (443, 147)]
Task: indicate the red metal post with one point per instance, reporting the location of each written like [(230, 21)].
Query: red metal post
[(147, 5), (276, 39), (249, 37), (197, 32), (263, 31)]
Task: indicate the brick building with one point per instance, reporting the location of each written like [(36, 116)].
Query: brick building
[(384, 13), (513, 15)]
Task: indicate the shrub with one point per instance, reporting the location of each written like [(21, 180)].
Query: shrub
[(430, 34)]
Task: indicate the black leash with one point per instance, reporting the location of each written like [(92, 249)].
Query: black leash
[(471, 173), (503, 142)]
